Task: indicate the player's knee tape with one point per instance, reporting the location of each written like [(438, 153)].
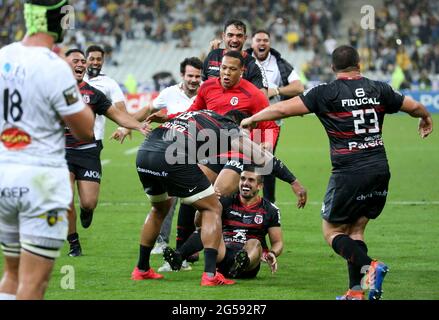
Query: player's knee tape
[(11, 250), (45, 252)]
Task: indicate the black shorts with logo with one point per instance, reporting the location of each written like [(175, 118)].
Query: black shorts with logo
[(85, 164), (219, 164), (159, 177), (227, 263), (351, 196)]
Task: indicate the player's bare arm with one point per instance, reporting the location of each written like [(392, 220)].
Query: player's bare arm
[(280, 110), (417, 110)]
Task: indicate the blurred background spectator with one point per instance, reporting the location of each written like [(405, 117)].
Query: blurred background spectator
[(146, 37)]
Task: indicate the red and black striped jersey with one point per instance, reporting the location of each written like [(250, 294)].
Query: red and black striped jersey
[(242, 223), (192, 136), (352, 112), (98, 102)]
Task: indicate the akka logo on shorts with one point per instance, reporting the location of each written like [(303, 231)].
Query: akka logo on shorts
[(92, 174), (86, 98), (234, 101), (15, 139), (259, 219)]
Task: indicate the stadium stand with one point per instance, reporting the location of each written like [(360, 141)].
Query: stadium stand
[(143, 37)]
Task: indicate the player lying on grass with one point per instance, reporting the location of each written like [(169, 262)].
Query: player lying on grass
[(246, 220)]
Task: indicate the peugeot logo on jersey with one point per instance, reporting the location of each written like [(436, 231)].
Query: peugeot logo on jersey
[(234, 101)]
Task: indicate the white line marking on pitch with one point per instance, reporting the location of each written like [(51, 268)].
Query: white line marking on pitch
[(131, 151), (105, 162)]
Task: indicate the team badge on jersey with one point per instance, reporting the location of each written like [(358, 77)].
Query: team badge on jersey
[(71, 95), (259, 219), (234, 101), (86, 98), (15, 139)]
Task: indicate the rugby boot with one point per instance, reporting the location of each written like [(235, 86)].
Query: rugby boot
[(150, 274), (217, 280), (240, 264), (352, 295)]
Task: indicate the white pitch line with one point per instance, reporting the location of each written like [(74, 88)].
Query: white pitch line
[(105, 162), (313, 203), (131, 151)]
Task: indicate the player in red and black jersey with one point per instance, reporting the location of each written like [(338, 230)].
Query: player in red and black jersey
[(229, 93), (83, 157), (246, 220), (352, 110), (167, 164), (234, 37)]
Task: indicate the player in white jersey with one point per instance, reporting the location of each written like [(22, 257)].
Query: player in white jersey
[(37, 93), (95, 56)]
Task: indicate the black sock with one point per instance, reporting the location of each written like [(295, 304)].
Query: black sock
[(87, 212), (73, 238), (185, 224), (355, 274), (210, 260), (192, 245), (346, 247), (144, 253)]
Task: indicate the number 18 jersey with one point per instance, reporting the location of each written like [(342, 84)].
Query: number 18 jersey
[(37, 88), (352, 112)]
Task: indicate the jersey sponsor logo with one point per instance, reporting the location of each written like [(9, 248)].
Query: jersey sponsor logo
[(234, 101), (14, 192), (369, 142), (235, 213), (71, 95), (259, 219), (86, 98), (15, 139), (359, 102), (92, 174), (240, 236)]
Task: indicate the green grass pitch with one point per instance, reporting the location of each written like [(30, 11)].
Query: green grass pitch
[(405, 236)]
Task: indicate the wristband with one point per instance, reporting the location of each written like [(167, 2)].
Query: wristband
[(281, 171)]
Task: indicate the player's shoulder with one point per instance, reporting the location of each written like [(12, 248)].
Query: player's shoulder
[(216, 54), (270, 206), (209, 83), (319, 87)]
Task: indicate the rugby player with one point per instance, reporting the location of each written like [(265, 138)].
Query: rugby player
[(37, 90), (246, 219), (83, 156), (352, 110)]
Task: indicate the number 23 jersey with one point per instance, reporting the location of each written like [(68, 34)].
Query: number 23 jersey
[(352, 111)]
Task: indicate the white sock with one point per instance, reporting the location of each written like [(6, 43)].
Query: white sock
[(7, 296)]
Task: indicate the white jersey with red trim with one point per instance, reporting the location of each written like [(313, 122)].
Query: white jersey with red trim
[(37, 88)]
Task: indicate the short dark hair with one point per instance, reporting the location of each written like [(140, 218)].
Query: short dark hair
[(261, 31), (95, 48), (69, 52), (254, 169), (236, 55), (193, 62), (345, 57), (237, 116), (237, 23)]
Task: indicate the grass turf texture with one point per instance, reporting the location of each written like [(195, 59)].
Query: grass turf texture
[(404, 236)]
